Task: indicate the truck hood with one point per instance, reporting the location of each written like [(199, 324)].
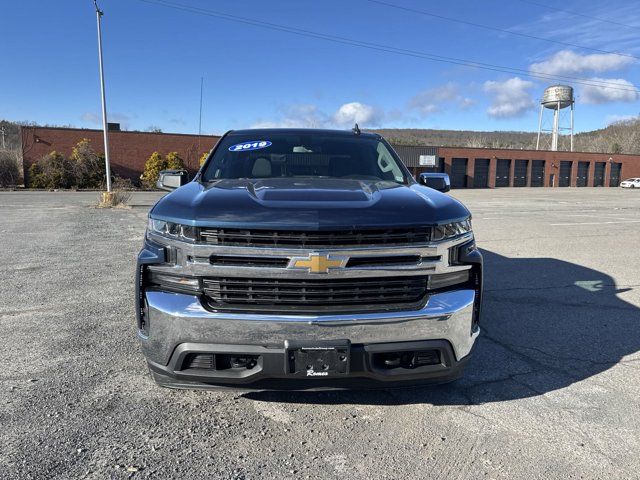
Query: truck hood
[(307, 204)]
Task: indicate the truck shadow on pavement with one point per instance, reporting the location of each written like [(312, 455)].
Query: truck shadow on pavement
[(546, 324)]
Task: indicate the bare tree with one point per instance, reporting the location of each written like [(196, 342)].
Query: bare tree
[(10, 174)]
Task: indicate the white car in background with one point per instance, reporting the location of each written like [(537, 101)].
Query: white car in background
[(631, 183)]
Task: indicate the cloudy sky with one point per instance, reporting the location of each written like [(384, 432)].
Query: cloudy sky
[(383, 63)]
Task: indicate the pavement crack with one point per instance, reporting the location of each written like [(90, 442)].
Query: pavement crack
[(467, 409), (529, 359), (557, 356)]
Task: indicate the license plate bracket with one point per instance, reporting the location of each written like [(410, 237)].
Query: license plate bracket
[(318, 359)]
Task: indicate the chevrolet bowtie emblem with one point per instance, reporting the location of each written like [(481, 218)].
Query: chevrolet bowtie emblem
[(317, 263)]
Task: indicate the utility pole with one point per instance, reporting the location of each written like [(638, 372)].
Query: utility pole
[(2, 131), (200, 121), (99, 14)]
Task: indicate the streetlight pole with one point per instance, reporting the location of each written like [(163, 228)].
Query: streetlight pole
[(200, 120), (104, 100)]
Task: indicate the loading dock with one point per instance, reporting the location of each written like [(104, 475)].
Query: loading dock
[(537, 173), (614, 178), (565, 174), (459, 172), (481, 173), (583, 174), (503, 172), (598, 174), (520, 173)]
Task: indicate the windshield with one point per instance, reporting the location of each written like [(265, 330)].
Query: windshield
[(313, 155)]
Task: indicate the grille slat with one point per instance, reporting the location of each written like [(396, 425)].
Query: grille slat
[(315, 295), (317, 239), (291, 291), (238, 261), (340, 283), (388, 261)]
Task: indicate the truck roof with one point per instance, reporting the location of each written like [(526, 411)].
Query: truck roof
[(301, 131)]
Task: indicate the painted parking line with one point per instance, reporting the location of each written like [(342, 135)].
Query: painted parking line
[(593, 223), (608, 217)]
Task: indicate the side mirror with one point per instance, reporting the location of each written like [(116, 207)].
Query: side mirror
[(172, 179), (437, 181)]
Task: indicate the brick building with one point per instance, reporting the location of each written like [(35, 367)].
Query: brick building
[(491, 167), (467, 167), (128, 151)]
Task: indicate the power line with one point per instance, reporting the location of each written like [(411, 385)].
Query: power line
[(578, 14), (497, 29), (390, 49)]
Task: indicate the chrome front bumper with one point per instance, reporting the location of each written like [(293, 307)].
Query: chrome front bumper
[(174, 319)]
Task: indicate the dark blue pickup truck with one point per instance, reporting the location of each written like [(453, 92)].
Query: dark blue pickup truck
[(307, 259)]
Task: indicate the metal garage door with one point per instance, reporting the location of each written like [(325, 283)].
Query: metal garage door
[(598, 174), (537, 173), (481, 173), (565, 174), (520, 173), (583, 174), (458, 173), (503, 171), (614, 178)]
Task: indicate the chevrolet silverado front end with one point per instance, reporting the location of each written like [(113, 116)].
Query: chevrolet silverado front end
[(307, 259)]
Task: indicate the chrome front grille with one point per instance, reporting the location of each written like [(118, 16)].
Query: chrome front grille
[(314, 239), (288, 278), (315, 295)]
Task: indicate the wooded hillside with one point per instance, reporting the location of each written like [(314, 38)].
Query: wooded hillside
[(619, 137)]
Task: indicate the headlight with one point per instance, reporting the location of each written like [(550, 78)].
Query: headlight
[(176, 231), (450, 230)]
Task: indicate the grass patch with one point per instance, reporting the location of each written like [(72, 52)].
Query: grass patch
[(115, 199)]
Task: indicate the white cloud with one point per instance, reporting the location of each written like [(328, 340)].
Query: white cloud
[(466, 102), (310, 116), (618, 90), (96, 119), (91, 118), (300, 115), (614, 118), (267, 124), (568, 28), (432, 99), (568, 62), (510, 98), (356, 112)]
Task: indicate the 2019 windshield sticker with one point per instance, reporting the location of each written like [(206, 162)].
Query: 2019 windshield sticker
[(253, 145)]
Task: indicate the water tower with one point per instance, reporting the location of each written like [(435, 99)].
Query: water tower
[(556, 98)]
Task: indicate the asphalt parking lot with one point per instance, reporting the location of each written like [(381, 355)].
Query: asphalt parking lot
[(552, 392)]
